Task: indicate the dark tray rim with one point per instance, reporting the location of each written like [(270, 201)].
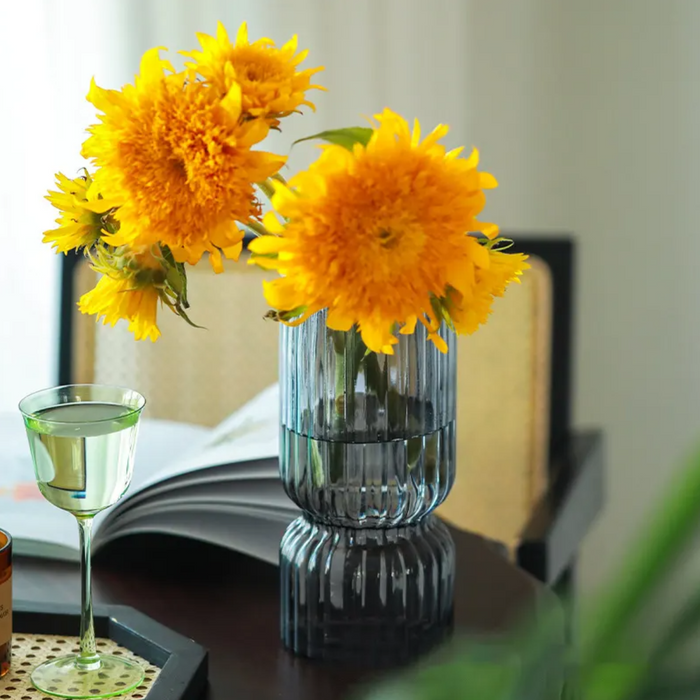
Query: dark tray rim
[(183, 662)]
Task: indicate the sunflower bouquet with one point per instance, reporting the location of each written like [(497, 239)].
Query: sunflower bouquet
[(381, 231)]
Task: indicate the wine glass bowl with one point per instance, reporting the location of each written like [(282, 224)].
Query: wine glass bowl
[(82, 439)]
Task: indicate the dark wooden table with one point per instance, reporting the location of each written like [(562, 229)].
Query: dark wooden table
[(229, 604)]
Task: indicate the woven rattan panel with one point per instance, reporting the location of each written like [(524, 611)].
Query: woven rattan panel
[(30, 650), (191, 375), (502, 413)]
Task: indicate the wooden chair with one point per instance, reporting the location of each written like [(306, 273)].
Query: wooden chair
[(513, 396)]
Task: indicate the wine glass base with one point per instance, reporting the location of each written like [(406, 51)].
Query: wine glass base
[(65, 679)]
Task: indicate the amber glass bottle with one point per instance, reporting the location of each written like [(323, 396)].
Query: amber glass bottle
[(5, 602)]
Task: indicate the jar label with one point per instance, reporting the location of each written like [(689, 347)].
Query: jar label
[(6, 611)]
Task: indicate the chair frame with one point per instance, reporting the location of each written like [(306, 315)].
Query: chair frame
[(558, 254), (69, 265), (551, 539)]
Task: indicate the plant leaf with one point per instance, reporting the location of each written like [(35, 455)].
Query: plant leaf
[(182, 314), (346, 137), (681, 629), (667, 532)]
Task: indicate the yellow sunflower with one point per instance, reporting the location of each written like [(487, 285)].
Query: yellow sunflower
[(470, 308), (82, 210), (130, 288), (116, 299), (177, 159), (379, 235), (270, 84)]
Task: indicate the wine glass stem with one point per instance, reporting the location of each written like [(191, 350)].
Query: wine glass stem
[(88, 658)]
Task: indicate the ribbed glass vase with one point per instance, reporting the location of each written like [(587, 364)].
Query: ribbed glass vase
[(367, 451)]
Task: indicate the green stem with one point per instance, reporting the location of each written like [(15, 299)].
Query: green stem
[(682, 629), (267, 188), (339, 341), (257, 228), (349, 348), (374, 376)]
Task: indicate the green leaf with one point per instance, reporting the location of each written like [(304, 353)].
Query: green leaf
[(180, 311), (661, 543), (317, 472), (681, 630), (414, 450), (174, 279), (256, 228), (671, 686), (269, 256), (346, 137), (291, 314), (437, 307), (375, 376), (183, 277)]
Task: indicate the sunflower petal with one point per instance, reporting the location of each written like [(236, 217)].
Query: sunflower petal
[(232, 101), (233, 252), (264, 263), (222, 34), (151, 68), (282, 294), (479, 254), (215, 259), (489, 230), (264, 245), (272, 223), (473, 159), (410, 326), (100, 206), (374, 335), (339, 321), (487, 181), (242, 35), (438, 341)]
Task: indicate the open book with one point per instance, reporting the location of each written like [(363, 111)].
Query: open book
[(220, 485)]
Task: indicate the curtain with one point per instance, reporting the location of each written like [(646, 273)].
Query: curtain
[(50, 51)]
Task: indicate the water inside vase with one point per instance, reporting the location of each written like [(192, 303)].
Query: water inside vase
[(359, 483)]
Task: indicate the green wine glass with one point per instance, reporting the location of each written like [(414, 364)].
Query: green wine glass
[(82, 439)]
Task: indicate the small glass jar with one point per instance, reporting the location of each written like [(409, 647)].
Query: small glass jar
[(5, 602)]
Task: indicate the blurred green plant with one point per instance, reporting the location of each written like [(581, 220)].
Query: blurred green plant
[(611, 660)]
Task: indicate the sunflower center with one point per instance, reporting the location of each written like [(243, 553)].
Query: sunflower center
[(259, 68), (179, 166), (388, 238)]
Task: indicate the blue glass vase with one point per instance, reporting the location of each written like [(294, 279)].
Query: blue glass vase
[(367, 451)]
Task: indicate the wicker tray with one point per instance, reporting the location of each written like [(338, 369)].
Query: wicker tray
[(175, 667)]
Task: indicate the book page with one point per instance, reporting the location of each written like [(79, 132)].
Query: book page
[(249, 434), (256, 470), (258, 417), (234, 528), (253, 493), (161, 443)]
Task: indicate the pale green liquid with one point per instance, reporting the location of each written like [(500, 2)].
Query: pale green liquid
[(83, 454)]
